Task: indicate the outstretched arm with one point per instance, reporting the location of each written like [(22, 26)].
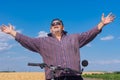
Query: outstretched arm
[(88, 36), (105, 20), (25, 41), (8, 30)]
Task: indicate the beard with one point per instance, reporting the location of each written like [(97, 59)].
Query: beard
[(57, 31)]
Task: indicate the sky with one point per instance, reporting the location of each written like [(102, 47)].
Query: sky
[(33, 17)]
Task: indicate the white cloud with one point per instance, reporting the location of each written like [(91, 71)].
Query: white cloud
[(110, 37), (42, 34), (4, 39), (104, 62), (5, 46), (89, 45)]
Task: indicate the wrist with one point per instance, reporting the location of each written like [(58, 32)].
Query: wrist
[(13, 33), (101, 25)]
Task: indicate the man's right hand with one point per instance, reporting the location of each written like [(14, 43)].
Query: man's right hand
[(8, 30)]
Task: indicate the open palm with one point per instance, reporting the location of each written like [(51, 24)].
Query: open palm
[(106, 20), (7, 29)]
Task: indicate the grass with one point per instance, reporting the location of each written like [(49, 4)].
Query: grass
[(41, 76), (106, 76)]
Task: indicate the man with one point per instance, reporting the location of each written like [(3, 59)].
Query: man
[(59, 48)]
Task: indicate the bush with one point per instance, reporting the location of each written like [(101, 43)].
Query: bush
[(117, 72)]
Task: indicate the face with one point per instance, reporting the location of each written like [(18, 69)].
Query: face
[(56, 26)]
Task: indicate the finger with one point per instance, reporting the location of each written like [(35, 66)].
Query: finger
[(102, 15), (11, 27), (3, 27), (109, 14), (113, 16)]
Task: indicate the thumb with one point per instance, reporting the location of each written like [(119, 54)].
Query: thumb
[(102, 16), (10, 26)]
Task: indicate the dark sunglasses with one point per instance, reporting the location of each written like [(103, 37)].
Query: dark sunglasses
[(56, 23)]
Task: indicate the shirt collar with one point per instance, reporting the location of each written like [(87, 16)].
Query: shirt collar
[(64, 33)]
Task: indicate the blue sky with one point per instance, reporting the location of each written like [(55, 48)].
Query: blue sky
[(33, 17)]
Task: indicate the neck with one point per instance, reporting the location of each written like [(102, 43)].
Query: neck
[(58, 35)]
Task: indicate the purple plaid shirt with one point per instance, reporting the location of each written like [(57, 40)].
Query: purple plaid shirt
[(65, 53)]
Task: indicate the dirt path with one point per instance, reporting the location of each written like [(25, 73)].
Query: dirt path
[(91, 79)]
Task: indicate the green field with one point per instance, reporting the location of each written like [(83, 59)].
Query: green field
[(106, 76)]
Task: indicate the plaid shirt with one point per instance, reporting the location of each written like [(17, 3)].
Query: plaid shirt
[(65, 52)]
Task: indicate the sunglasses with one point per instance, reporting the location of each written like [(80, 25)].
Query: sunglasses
[(56, 23)]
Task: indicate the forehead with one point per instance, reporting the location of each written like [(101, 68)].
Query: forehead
[(56, 21)]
